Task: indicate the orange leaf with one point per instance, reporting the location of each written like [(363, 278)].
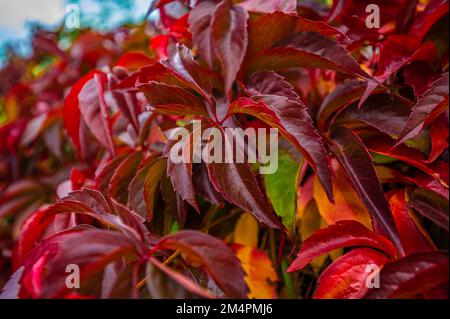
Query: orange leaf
[(260, 276), (347, 204)]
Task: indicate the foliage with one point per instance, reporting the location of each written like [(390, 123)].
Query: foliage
[(363, 162)]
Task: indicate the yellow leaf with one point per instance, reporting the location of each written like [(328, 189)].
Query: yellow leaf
[(347, 204), (260, 276), (246, 231)]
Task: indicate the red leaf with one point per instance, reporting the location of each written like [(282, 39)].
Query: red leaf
[(439, 137), (424, 20), (288, 6), (200, 27), (93, 108), (339, 235), (181, 173), (307, 50), (229, 37), (31, 233), (383, 144), (399, 50), (430, 100), (246, 192), (384, 112), (355, 158), (412, 235), (276, 103), (431, 205), (346, 277), (169, 287), (266, 30), (71, 110), (411, 275), (134, 60), (95, 249), (218, 259), (123, 174), (202, 78), (340, 98), (172, 100)]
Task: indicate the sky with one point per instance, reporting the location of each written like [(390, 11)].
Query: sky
[(15, 14)]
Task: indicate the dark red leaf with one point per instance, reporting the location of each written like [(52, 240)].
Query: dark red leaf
[(307, 50), (430, 205), (411, 275), (430, 100), (200, 27), (245, 192), (424, 20), (276, 103), (217, 258), (172, 100), (355, 158), (95, 111), (229, 37)]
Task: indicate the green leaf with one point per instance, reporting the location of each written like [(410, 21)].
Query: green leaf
[(281, 189)]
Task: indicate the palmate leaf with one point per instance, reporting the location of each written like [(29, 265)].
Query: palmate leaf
[(274, 102)]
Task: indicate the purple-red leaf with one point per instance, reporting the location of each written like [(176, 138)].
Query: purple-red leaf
[(434, 98), (355, 158), (217, 258), (307, 50), (95, 111), (276, 103), (411, 275), (229, 37)]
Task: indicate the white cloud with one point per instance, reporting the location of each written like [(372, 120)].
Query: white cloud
[(14, 13)]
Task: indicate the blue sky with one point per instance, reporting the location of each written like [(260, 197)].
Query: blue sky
[(15, 14)]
